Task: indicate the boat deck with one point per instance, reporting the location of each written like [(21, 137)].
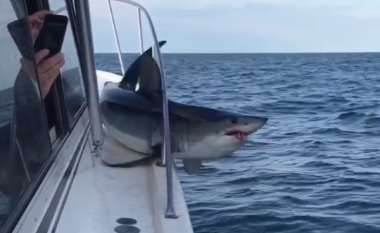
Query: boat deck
[(80, 194), (109, 196)]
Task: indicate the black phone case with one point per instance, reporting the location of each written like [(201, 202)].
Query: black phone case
[(52, 34)]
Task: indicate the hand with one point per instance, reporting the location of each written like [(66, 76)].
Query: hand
[(35, 21), (47, 69)]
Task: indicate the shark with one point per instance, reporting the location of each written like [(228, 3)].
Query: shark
[(197, 133)]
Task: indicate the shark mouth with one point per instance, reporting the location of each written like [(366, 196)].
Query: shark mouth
[(237, 134)]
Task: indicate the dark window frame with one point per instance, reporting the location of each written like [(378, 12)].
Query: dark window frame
[(73, 23), (54, 102)]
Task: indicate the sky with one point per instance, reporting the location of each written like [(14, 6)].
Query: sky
[(243, 26)]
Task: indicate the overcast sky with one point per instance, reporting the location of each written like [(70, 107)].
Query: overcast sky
[(204, 26), (245, 25)]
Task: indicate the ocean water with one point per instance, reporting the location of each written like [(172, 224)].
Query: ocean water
[(315, 167)]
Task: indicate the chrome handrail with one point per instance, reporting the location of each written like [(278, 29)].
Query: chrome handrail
[(166, 154), (141, 40), (116, 37), (89, 72), (59, 10), (140, 31)]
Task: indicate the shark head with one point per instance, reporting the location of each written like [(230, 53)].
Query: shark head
[(219, 137)]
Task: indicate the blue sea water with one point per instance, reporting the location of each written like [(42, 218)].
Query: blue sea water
[(315, 167)]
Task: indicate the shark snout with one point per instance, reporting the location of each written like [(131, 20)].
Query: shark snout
[(250, 124), (243, 126), (256, 124)]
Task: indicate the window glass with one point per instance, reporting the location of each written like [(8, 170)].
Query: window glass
[(71, 72), (24, 149), (56, 4)]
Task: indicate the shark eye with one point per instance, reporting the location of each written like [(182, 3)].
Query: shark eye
[(234, 120)]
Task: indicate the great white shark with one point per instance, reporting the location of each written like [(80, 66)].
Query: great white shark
[(134, 118)]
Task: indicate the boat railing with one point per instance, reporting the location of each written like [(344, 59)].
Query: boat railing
[(167, 160), (84, 29)]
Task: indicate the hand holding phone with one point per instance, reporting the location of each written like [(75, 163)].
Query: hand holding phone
[(47, 69), (48, 32)]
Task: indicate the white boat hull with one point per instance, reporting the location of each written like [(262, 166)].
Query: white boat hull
[(80, 194)]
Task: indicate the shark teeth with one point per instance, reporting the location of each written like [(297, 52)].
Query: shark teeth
[(237, 134)]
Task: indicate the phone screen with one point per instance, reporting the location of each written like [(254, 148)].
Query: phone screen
[(52, 34)]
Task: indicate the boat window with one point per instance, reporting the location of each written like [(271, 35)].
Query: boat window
[(71, 74), (55, 107), (24, 134)]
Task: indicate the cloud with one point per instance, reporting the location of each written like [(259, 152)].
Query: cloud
[(221, 25), (363, 13), (175, 4)]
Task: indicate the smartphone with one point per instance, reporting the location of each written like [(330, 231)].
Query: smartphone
[(52, 34), (19, 30)]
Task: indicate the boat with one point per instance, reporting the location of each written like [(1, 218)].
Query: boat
[(72, 190)]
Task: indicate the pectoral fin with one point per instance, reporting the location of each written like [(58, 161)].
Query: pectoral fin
[(192, 165)]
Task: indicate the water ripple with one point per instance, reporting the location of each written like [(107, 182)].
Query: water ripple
[(314, 168)]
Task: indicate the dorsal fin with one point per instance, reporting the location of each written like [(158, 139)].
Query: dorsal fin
[(134, 72), (150, 79)]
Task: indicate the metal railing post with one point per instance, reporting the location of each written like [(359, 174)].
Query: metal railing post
[(59, 10), (166, 153), (141, 39), (89, 71), (116, 37)]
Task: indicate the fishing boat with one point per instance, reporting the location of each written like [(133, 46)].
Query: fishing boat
[(71, 190)]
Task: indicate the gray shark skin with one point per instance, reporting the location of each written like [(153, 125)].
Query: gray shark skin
[(134, 118), (191, 141)]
